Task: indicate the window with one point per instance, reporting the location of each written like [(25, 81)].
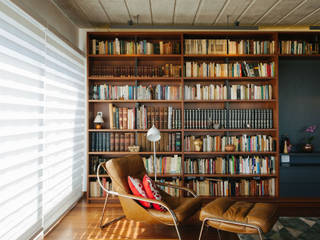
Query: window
[(42, 113)]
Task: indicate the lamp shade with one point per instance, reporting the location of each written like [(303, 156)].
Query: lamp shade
[(98, 119), (153, 134)]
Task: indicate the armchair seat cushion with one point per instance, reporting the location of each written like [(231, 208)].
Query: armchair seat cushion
[(182, 207), (259, 214)]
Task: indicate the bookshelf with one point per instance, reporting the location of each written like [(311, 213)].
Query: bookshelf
[(162, 68)]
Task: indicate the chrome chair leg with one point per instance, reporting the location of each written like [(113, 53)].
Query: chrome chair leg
[(230, 222), (219, 234), (202, 226), (177, 229), (102, 215)]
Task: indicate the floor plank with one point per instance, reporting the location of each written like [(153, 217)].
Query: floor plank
[(82, 223)]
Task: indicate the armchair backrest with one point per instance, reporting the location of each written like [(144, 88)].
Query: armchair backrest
[(120, 168)]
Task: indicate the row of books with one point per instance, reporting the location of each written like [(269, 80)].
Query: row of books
[(95, 190), (299, 47), (145, 47), (205, 118), (171, 191), (143, 117), (226, 46), (205, 46), (130, 92), (250, 92), (250, 118), (106, 70), (205, 92), (231, 165), (94, 161), (111, 142), (236, 69), (164, 164), (115, 142), (251, 47), (230, 119), (233, 188), (169, 142), (243, 143)]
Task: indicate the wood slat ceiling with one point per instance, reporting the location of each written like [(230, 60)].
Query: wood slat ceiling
[(100, 13)]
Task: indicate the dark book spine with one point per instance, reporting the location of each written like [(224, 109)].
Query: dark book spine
[(104, 141), (112, 141), (122, 142), (178, 142), (93, 140), (116, 142), (108, 142)]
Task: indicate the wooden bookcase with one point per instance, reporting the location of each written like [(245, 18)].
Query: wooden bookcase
[(136, 60)]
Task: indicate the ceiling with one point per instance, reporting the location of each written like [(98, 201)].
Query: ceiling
[(100, 13)]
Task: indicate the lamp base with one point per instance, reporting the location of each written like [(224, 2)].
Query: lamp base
[(98, 126)]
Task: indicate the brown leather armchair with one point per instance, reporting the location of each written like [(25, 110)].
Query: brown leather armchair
[(178, 209)]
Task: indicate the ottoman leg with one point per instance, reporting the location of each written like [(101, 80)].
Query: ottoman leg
[(230, 222)]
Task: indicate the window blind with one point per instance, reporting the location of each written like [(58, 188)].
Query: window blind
[(41, 125), (64, 132)]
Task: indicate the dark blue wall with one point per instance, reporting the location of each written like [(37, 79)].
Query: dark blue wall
[(299, 107), (299, 98)]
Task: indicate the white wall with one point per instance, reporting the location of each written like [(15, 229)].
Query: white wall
[(49, 13)]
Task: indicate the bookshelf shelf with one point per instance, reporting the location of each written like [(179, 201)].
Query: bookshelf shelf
[(135, 56), (229, 56), (133, 153), (135, 101), (155, 69), (215, 175), (231, 101), (230, 130), (228, 78), (133, 78), (132, 130), (230, 153)]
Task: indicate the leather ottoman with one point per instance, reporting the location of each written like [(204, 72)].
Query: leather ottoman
[(238, 216)]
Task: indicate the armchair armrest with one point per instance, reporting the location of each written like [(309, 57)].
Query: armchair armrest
[(177, 187)]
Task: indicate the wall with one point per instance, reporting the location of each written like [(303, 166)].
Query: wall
[(299, 98), (46, 11)]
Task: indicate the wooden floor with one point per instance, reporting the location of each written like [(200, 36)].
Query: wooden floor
[(82, 223)]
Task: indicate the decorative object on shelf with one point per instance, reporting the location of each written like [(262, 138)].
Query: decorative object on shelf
[(285, 148), (229, 148), (216, 125), (98, 120), (310, 131), (285, 145), (198, 145), (134, 148), (153, 135)]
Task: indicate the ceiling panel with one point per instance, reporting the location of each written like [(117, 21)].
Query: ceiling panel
[(255, 11), (162, 11), (97, 17), (312, 19), (302, 11), (185, 11), (117, 10), (208, 11), (96, 13), (74, 12), (233, 9), (283, 8), (141, 8)]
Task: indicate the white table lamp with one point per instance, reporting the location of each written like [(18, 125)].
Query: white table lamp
[(153, 135)]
